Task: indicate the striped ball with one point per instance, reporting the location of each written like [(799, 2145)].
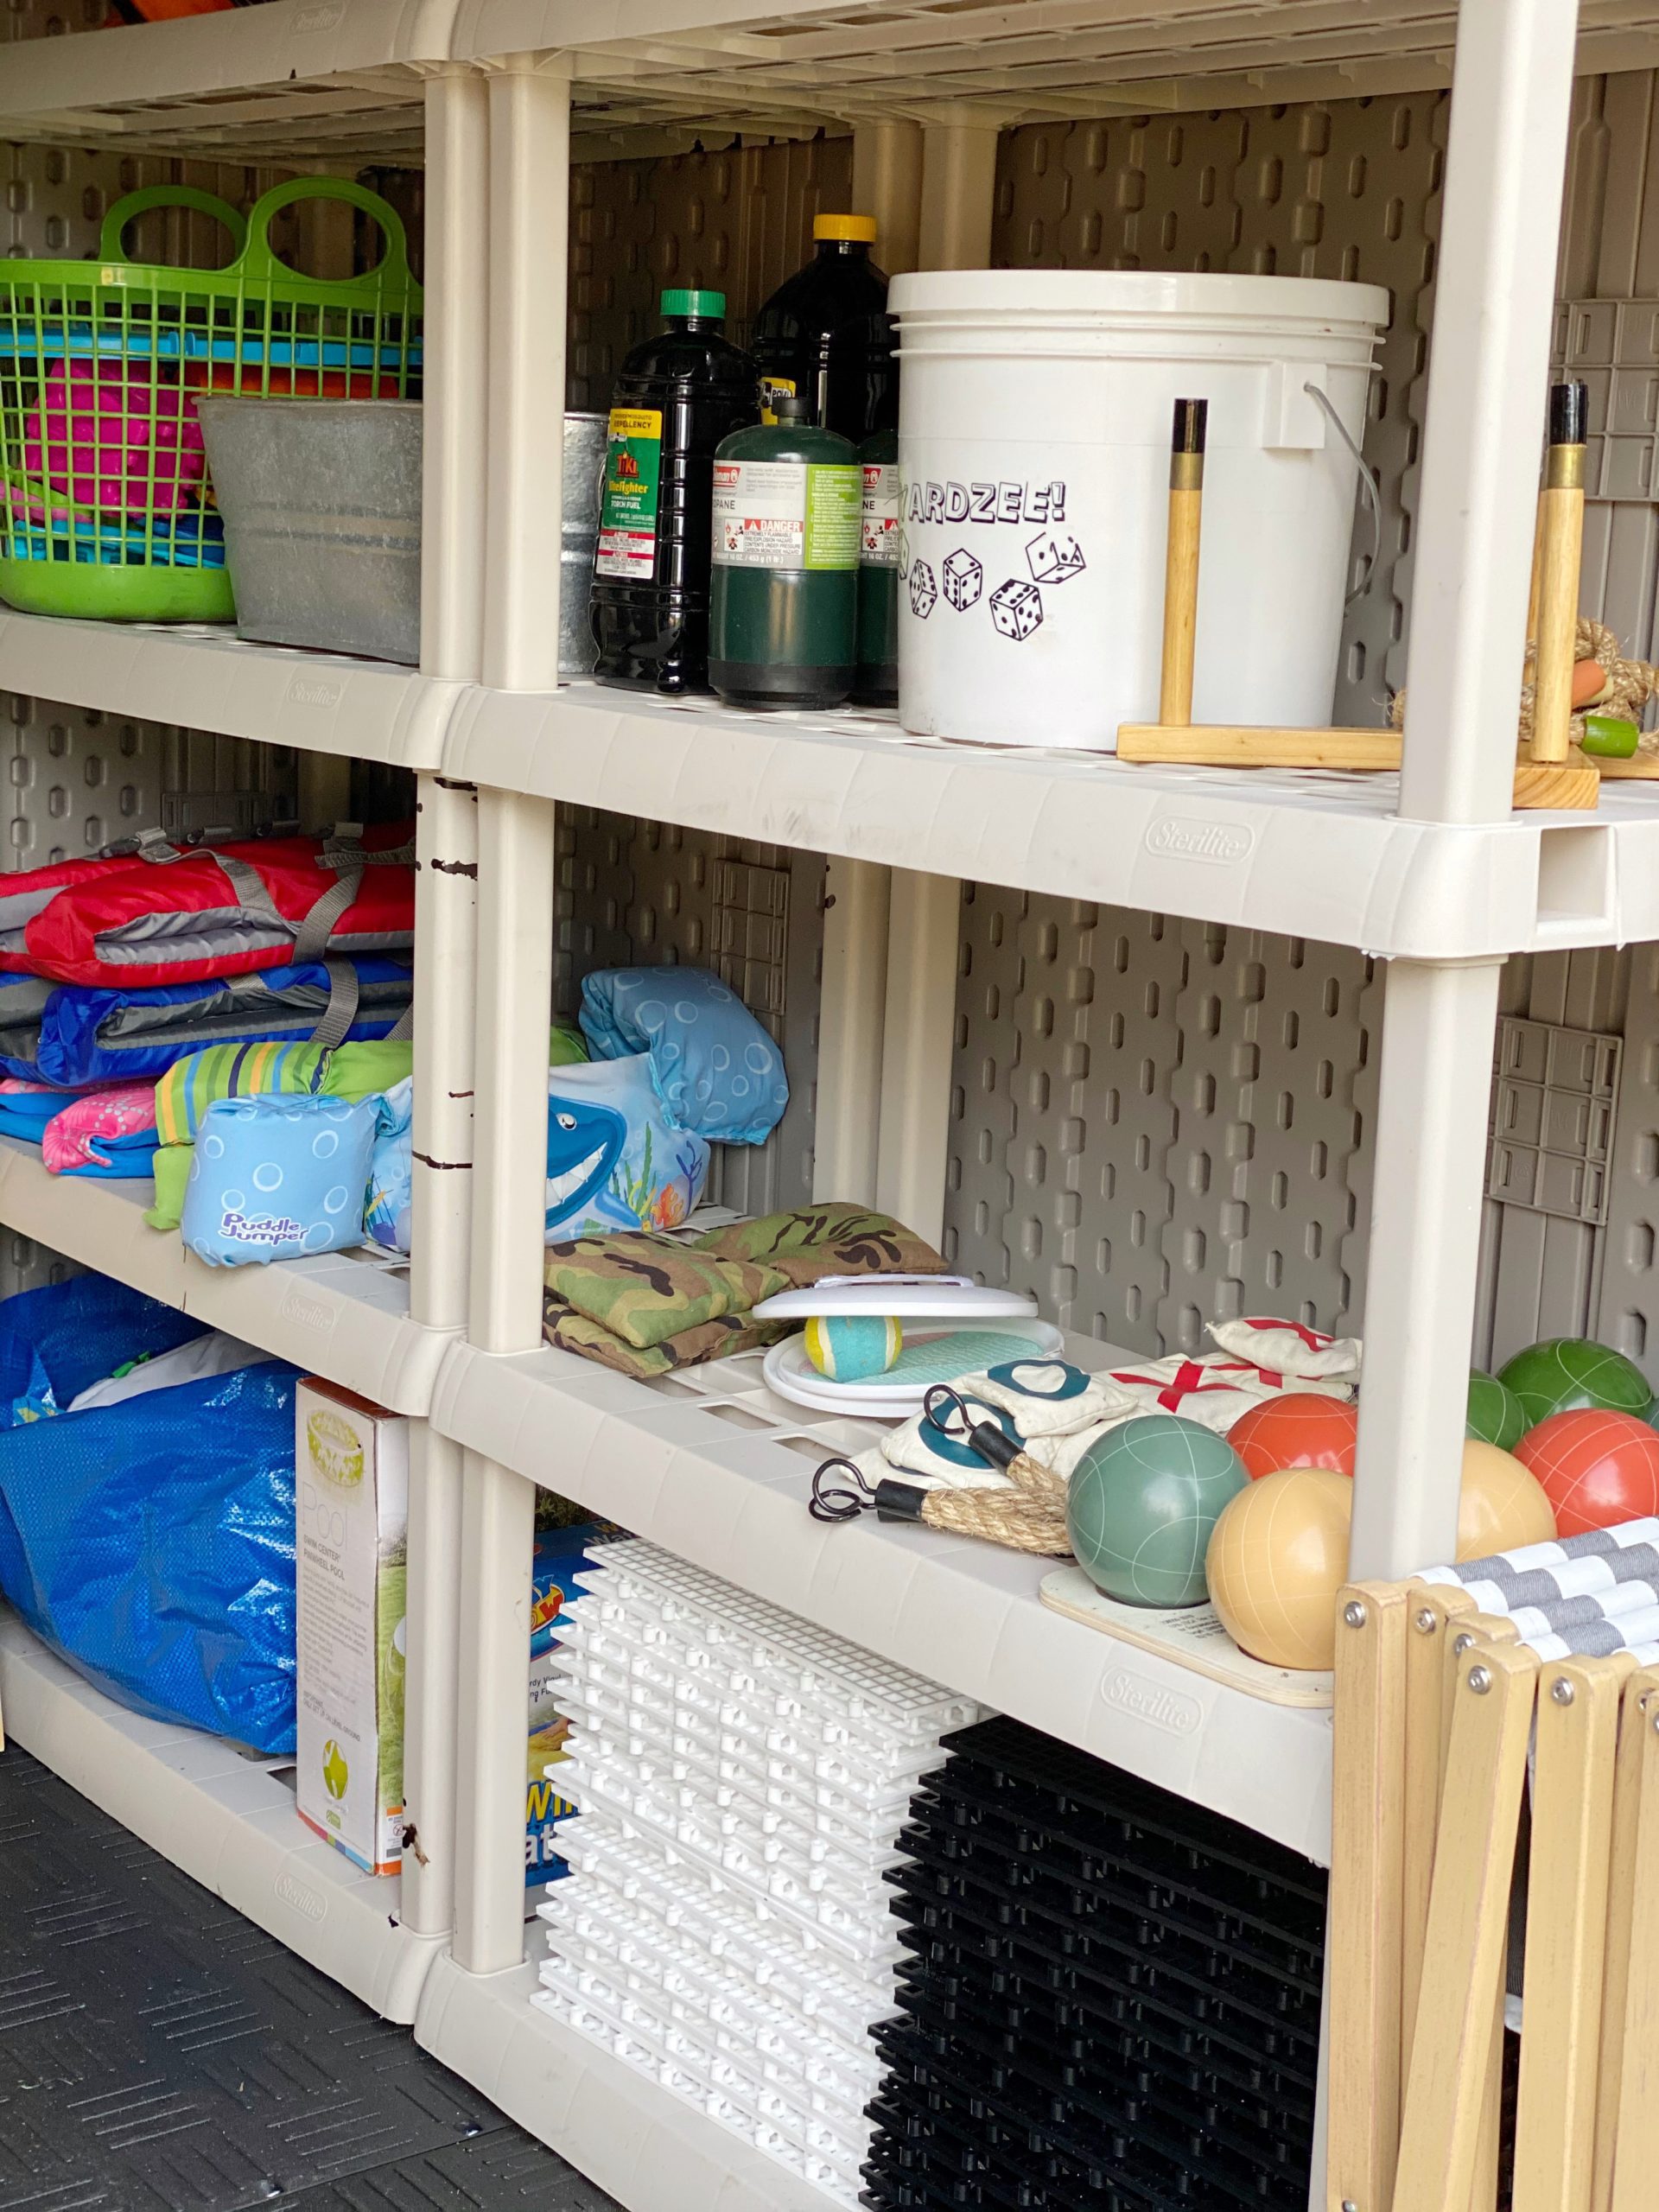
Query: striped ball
[(849, 1346)]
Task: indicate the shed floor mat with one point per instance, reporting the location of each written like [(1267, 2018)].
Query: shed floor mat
[(159, 2053)]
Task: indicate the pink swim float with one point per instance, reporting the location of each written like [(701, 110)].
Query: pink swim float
[(100, 428)]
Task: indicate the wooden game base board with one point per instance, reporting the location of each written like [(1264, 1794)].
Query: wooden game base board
[(1192, 1636), (1573, 784), (1225, 745)]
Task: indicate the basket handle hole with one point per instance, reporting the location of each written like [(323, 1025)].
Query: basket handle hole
[(326, 238), (202, 241)]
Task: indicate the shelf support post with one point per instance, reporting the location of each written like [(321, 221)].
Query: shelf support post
[(427, 1902), (529, 261), (445, 959), (887, 184), (1439, 1019), (529, 266), (958, 203), (1487, 375), (852, 1002), (498, 1532), (455, 374), (1488, 379), (446, 935), (514, 995), (917, 1040)]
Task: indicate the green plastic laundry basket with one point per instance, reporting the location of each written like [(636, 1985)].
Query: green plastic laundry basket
[(105, 509)]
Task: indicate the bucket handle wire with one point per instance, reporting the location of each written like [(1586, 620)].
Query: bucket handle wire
[(1368, 486)]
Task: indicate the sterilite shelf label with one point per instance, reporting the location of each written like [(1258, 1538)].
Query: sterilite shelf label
[(879, 547), (786, 514), (627, 520)]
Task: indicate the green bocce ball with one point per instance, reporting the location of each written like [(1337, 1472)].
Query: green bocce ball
[(1141, 1504), (1565, 1373), (1495, 1414)]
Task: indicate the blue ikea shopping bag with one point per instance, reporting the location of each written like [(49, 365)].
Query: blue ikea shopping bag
[(151, 1542), (58, 1341)]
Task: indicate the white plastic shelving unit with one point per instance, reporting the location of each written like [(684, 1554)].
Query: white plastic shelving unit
[(342, 1315), (206, 679), (1306, 852), (1429, 869), (715, 1468), (318, 77)]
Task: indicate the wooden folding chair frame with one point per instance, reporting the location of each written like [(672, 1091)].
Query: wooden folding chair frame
[(1438, 1707)]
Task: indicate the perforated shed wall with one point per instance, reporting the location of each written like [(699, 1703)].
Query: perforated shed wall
[(1542, 1275), (738, 222), (1609, 251), (644, 891), (1157, 1122), (49, 18)]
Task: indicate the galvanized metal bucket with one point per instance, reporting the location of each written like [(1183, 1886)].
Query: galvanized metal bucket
[(322, 507)]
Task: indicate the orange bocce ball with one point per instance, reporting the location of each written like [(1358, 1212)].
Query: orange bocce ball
[(1298, 1428)]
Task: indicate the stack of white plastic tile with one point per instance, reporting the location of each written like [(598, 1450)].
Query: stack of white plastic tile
[(741, 1777)]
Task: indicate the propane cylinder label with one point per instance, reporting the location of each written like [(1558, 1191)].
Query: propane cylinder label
[(786, 514), (879, 544), (627, 520)]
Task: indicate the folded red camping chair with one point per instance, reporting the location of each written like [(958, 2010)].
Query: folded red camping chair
[(151, 914)]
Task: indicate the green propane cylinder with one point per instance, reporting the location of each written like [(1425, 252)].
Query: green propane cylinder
[(877, 682), (783, 608)]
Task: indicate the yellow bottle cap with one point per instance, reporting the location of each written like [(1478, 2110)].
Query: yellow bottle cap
[(859, 227)]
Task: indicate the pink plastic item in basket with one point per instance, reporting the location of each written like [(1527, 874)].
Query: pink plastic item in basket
[(93, 435)]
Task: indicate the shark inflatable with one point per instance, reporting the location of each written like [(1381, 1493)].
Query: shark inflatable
[(585, 1143)]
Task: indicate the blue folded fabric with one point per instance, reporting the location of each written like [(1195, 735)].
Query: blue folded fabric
[(131, 1159), (715, 1070), (73, 1035), (23, 1000), (25, 1113)]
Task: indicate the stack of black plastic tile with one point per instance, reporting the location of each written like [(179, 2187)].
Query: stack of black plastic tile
[(1111, 1997)]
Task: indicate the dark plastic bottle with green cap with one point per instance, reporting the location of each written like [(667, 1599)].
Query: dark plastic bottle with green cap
[(824, 333), (877, 682), (784, 599), (676, 396)]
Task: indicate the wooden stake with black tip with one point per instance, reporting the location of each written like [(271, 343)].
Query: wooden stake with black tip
[(1551, 773), (1181, 561), (1560, 551)]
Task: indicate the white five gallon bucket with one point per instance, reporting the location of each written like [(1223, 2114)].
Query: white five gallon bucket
[(1034, 465)]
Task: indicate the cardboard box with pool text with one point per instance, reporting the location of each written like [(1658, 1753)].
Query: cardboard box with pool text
[(351, 1479)]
